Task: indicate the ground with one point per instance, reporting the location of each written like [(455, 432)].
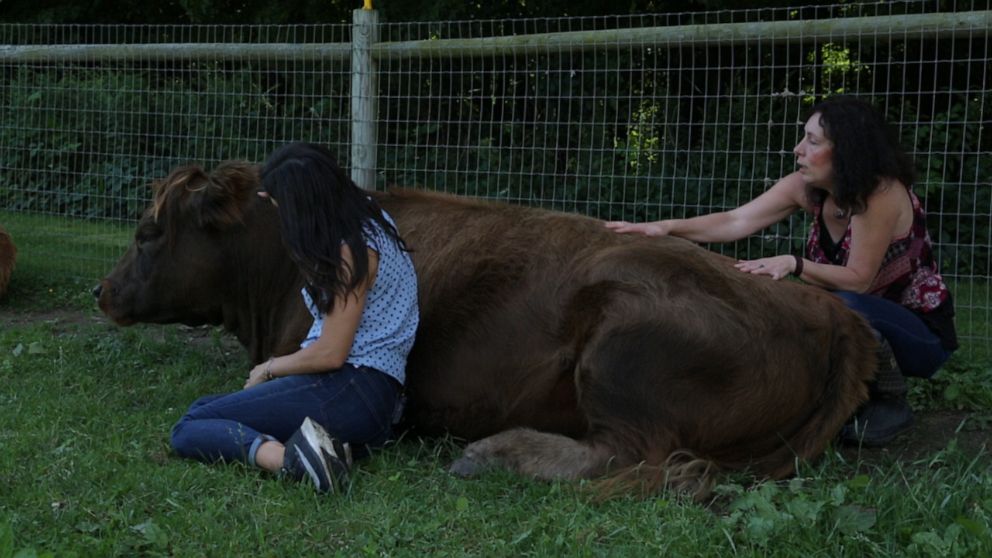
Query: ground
[(971, 431), (932, 432)]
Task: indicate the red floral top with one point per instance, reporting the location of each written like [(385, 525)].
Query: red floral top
[(908, 276)]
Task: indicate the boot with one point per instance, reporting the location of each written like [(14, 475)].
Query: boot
[(886, 414)]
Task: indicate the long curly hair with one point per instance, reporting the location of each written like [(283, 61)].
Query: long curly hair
[(320, 209), (865, 151)]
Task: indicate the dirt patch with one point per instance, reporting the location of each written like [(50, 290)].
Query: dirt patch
[(60, 321), (933, 431), (14, 317)]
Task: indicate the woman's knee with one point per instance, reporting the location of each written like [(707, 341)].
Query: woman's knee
[(187, 440), (180, 435), (203, 402), (179, 438)]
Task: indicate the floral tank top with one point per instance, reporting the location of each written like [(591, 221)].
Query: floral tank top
[(908, 276)]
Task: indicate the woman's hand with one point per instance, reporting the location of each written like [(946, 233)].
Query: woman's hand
[(775, 267), (258, 375), (657, 228)]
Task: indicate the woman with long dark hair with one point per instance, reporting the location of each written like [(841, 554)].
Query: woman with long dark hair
[(868, 244), (302, 415)]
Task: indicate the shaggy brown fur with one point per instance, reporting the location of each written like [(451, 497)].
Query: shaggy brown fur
[(563, 349), (206, 251), (8, 256), (616, 353)]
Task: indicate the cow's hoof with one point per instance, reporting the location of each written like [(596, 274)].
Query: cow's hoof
[(466, 467)]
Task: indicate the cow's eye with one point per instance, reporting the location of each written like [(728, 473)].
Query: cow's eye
[(147, 234), (145, 240)]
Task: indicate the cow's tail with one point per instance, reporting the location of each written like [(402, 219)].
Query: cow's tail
[(683, 473)]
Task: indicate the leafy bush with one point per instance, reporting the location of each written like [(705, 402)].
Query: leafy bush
[(85, 142), (636, 134)]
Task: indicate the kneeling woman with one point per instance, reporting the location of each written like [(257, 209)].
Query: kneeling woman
[(301, 414)]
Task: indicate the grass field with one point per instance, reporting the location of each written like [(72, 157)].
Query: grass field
[(86, 470)]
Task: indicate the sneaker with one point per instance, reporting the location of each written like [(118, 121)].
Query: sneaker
[(312, 453), (878, 422)]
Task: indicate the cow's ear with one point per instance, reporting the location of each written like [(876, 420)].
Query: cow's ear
[(230, 189)]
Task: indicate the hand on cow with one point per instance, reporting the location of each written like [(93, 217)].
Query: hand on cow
[(775, 267), (657, 228)]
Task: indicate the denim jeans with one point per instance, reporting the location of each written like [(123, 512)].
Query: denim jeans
[(918, 350), (355, 405)]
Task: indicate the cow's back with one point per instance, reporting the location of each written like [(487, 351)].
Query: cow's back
[(553, 322), (510, 296)]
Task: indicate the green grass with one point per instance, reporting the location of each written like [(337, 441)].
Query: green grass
[(86, 469), (973, 317), (60, 260)]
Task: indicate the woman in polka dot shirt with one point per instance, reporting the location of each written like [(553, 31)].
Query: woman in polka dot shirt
[(301, 415)]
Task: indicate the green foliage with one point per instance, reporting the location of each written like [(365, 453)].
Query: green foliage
[(91, 11), (635, 134), (559, 141), (336, 11), (765, 513), (864, 508), (835, 66), (954, 175), (961, 384), (95, 160)]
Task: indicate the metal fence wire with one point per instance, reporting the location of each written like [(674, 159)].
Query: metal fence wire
[(634, 117)]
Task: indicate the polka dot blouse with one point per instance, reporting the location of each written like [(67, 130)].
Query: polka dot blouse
[(389, 320)]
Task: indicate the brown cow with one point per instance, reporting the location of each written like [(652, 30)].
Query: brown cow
[(206, 252), (8, 256), (564, 349)]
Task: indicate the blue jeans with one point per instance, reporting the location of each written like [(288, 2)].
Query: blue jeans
[(918, 350), (355, 405)]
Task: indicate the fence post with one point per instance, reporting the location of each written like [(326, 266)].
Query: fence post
[(364, 34)]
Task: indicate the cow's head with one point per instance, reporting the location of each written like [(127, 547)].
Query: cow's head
[(192, 245)]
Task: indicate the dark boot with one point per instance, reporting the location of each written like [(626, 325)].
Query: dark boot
[(887, 413)]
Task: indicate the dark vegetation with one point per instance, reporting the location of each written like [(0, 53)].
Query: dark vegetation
[(635, 133)]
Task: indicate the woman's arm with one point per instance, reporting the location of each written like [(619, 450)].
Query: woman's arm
[(331, 349), (778, 202), (888, 215)]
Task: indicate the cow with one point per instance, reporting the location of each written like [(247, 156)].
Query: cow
[(8, 256), (558, 348)]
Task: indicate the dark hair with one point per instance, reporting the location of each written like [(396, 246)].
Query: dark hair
[(320, 209), (865, 150)]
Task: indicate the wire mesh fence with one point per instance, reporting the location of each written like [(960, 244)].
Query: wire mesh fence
[(637, 117)]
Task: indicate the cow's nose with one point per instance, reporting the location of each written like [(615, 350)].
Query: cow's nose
[(97, 290)]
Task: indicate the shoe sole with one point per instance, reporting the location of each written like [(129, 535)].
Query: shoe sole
[(323, 445)]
